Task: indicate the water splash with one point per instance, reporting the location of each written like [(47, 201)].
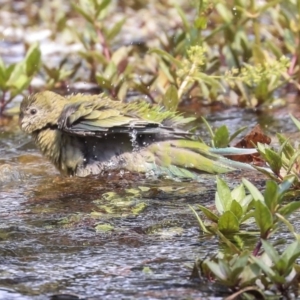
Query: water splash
[(133, 139)]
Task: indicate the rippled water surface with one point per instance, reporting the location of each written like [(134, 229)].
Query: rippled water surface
[(102, 238)]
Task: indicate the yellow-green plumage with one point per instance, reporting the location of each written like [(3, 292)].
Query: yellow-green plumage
[(84, 134)]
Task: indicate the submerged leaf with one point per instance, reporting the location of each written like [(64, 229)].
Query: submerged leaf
[(104, 228)]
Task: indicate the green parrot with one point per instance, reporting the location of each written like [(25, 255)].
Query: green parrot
[(90, 134)]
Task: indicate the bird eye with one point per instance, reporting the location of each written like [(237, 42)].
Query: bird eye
[(33, 111)]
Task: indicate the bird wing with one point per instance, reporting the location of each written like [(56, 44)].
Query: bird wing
[(101, 117)]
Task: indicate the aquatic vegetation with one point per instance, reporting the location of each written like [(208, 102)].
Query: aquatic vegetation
[(264, 269), (283, 163)]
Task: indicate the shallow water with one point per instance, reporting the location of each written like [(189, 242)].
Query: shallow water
[(103, 238)]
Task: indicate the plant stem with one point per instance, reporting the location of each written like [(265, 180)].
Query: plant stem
[(186, 80), (257, 248), (103, 43), (2, 103)]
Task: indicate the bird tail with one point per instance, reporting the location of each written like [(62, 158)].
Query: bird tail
[(186, 158)]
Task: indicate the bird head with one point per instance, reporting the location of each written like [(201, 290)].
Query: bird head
[(40, 111)]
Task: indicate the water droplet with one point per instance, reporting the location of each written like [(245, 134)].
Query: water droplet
[(133, 135)]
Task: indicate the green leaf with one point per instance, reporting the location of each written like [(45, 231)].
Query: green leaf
[(236, 209), (85, 14), (33, 59), (20, 84), (51, 72), (258, 54), (266, 171), (271, 195), (218, 203), (164, 67), (289, 208), (211, 132), (110, 70), (224, 194), (201, 22), (247, 216), (185, 21), (235, 134), (215, 268), (170, 99), (18, 80), (100, 6), (215, 84), (224, 267), (239, 268), (291, 253), (16, 73), (3, 75), (201, 224), (115, 30), (245, 203), (270, 251), (61, 23), (103, 82), (221, 137), (287, 148), (288, 225), (261, 91), (228, 223), (209, 214), (263, 218), (269, 272), (256, 194), (274, 160), (296, 122), (224, 12), (293, 160), (286, 184), (268, 5), (165, 54), (241, 260), (262, 149), (233, 248), (238, 193)]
